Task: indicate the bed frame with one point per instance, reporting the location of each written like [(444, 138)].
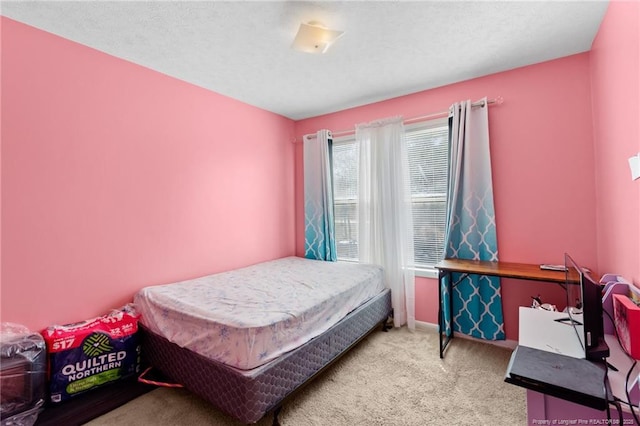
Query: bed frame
[(249, 398)]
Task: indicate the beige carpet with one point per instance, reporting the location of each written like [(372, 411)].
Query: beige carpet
[(393, 378)]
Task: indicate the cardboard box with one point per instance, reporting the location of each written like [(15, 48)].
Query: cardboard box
[(627, 321)]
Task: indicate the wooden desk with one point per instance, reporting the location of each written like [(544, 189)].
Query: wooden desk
[(523, 271)]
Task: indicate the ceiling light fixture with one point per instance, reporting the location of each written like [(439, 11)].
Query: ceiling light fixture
[(315, 38)]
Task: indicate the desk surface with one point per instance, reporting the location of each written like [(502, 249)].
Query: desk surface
[(522, 271), (572, 379), (550, 359), (539, 330)]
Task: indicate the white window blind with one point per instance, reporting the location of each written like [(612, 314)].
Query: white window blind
[(345, 197), (428, 156)]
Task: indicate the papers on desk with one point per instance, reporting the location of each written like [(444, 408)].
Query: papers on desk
[(549, 267)]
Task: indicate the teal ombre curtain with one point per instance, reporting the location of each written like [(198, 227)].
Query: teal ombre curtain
[(319, 227), (471, 226)]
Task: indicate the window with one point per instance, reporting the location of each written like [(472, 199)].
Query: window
[(428, 159), (427, 143), (345, 197)]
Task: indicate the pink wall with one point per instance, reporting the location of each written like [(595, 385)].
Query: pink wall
[(543, 168), (115, 177), (615, 79), (119, 183)]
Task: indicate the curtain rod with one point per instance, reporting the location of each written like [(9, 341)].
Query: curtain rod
[(498, 101)]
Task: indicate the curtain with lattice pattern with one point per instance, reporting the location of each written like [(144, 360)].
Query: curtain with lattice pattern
[(319, 227), (471, 226)]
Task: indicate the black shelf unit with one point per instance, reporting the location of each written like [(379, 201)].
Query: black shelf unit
[(94, 403)]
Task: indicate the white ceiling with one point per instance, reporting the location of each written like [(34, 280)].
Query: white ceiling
[(390, 48)]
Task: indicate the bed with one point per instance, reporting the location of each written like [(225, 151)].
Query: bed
[(245, 340)]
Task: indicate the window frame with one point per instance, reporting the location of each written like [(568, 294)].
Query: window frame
[(420, 270)]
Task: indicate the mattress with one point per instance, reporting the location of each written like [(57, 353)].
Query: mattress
[(247, 317), (248, 397)]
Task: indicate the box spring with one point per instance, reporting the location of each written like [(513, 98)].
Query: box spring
[(249, 397)]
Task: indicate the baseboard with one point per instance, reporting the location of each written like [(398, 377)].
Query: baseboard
[(433, 328), (426, 326)]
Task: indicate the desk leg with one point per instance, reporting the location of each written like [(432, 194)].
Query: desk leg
[(440, 319), (442, 330)]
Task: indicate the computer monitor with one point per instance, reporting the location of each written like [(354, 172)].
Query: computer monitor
[(584, 306)]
